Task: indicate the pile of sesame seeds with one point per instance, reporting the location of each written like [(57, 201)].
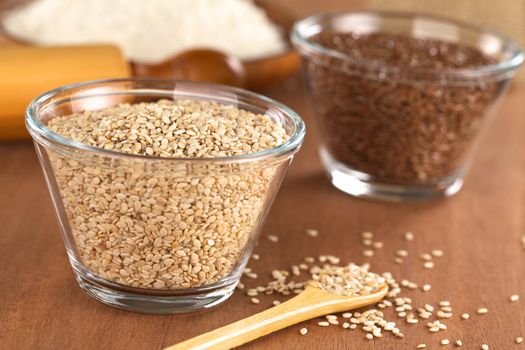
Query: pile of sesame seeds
[(374, 320), (349, 280), (164, 225), (166, 128)]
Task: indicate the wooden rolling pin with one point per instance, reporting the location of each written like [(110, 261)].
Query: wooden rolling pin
[(26, 72)]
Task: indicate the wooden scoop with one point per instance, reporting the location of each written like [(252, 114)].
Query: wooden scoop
[(217, 67), (312, 302)]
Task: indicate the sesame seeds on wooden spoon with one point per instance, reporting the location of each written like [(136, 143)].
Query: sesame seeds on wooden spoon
[(335, 289)]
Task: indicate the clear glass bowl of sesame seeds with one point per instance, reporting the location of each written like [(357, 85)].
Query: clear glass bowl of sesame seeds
[(161, 187)]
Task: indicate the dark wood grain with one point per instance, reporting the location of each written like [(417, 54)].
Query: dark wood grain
[(479, 229)]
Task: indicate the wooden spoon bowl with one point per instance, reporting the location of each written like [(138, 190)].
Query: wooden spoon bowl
[(197, 65)]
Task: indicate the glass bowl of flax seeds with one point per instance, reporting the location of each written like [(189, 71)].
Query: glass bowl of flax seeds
[(400, 99)]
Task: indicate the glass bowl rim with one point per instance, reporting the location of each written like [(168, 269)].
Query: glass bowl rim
[(301, 41), (39, 130)]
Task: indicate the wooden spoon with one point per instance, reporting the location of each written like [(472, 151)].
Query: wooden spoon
[(217, 67), (196, 65), (312, 302)]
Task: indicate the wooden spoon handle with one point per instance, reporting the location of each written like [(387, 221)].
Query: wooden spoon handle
[(311, 303)]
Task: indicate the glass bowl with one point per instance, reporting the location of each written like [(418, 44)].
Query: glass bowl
[(400, 132), (154, 234)]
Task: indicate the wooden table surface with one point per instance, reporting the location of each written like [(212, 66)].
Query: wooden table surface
[(479, 230)]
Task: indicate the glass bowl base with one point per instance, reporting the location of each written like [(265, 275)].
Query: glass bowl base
[(155, 304), (356, 184)]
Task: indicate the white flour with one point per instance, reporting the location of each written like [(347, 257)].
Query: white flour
[(149, 31)]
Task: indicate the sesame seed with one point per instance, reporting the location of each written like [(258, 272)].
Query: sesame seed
[(346, 325), (255, 300), (482, 310), (323, 324), (518, 340), (347, 315), (425, 314), (378, 245), (255, 256), (465, 316), (437, 253), (444, 303), (272, 238), (369, 336), (377, 332), (421, 346), (514, 297), (442, 314), (484, 347), (389, 326), (368, 253), (428, 265), (367, 242), (426, 257), (333, 259), (402, 253), (312, 233), (458, 343), (445, 342), (426, 287), (367, 235), (303, 331), (398, 260), (276, 302), (409, 236)]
